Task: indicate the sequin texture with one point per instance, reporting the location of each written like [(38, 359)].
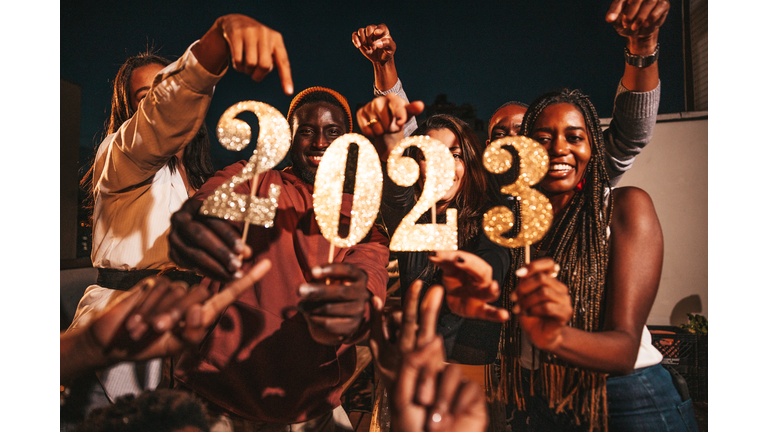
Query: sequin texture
[(329, 182), (272, 145), (535, 209), (404, 171)]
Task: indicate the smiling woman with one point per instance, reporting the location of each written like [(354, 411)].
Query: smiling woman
[(579, 335), (561, 129)]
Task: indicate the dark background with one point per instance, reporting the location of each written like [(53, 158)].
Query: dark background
[(477, 53)]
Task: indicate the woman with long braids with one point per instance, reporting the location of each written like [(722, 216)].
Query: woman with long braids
[(579, 341)]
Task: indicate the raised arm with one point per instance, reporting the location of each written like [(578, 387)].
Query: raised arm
[(426, 393), (254, 48), (377, 45), (639, 23), (637, 98), (634, 271), (383, 120), (174, 108)]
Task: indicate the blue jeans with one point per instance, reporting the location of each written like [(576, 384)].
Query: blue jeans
[(645, 400)]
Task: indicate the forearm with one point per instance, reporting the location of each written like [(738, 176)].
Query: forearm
[(78, 354), (631, 128), (385, 75), (613, 352), (167, 119), (397, 88), (212, 51), (641, 79)]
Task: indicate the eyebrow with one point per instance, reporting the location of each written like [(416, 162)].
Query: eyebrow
[(136, 93), (550, 130)]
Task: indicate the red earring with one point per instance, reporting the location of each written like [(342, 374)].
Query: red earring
[(580, 186)]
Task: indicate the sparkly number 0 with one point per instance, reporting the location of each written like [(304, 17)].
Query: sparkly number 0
[(404, 171), (535, 209), (271, 147), (329, 182)]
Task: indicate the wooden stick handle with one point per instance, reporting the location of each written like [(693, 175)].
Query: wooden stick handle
[(253, 194)]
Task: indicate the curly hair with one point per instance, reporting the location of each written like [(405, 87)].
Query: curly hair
[(162, 410)]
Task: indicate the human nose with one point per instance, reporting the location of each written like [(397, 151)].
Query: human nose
[(322, 141), (558, 146)]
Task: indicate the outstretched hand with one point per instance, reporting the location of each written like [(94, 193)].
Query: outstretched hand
[(254, 49), (459, 403), (375, 42), (383, 120), (402, 331), (469, 285), (386, 115), (156, 318), (159, 317), (637, 19), (426, 394), (543, 303)]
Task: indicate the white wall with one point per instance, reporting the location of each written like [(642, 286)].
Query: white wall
[(673, 170)]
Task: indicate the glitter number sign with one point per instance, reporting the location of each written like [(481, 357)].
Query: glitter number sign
[(271, 147), (535, 209), (329, 182), (404, 171)]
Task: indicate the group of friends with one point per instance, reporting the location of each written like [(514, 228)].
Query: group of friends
[(266, 332)]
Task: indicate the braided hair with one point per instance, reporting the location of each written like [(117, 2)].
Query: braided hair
[(578, 241)]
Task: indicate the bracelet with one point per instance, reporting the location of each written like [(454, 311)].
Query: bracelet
[(641, 61)]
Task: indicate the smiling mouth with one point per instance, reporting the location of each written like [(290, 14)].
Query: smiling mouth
[(560, 169), (314, 159)]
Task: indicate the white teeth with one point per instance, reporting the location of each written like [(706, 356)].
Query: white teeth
[(560, 167)]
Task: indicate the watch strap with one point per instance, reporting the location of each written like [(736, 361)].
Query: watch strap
[(639, 60)]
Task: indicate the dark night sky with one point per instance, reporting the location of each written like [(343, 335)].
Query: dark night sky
[(483, 54)]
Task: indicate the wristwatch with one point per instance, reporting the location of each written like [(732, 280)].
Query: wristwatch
[(641, 61)]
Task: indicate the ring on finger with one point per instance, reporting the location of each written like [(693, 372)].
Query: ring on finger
[(556, 271), (373, 121)]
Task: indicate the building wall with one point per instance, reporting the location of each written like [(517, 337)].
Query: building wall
[(673, 170), (69, 138)]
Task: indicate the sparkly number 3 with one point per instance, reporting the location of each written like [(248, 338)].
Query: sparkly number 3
[(271, 147), (535, 209), (404, 171)]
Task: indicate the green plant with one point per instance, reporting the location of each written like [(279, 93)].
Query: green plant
[(697, 324)]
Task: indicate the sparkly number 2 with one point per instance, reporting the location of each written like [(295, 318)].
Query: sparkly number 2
[(271, 147), (404, 171), (329, 182), (535, 209)]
